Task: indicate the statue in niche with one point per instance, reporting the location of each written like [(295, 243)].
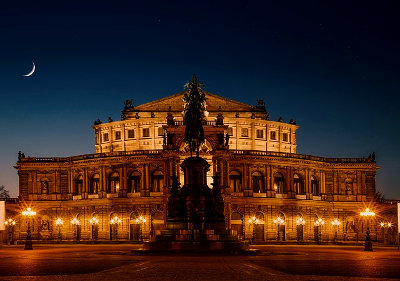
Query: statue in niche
[(194, 109), (45, 187), (348, 187), (45, 225), (227, 139)]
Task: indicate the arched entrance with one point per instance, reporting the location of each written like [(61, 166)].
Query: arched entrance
[(237, 225), (134, 228), (280, 227), (300, 228), (259, 231), (157, 224)]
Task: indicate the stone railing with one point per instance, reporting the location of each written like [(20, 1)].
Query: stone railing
[(91, 156), (205, 123), (302, 156)]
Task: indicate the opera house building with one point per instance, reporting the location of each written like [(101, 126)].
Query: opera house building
[(270, 192)]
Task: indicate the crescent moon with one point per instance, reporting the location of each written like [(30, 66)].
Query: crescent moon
[(32, 71)]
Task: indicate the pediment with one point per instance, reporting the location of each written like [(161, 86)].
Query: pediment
[(176, 103)]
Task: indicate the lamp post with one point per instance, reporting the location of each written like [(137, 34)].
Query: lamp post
[(10, 223), (59, 223), (335, 224), (319, 223), (94, 222), (29, 213), (114, 223), (75, 223), (254, 221), (279, 221), (300, 223), (141, 220), (367, 214)]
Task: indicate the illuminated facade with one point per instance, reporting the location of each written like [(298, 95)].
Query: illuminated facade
[(270, 192)]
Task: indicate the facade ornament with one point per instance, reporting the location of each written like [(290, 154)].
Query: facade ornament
[(128, 104), (110, 119)]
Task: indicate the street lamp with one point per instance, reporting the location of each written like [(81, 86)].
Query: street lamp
[(141, 220), (319, 223), (254, 221), (75, 222), (94, 222), (367, 213), (279, 221), (10, 223), (300, 223), (114, 223), (29, 213), (59, 223), (335, 224)]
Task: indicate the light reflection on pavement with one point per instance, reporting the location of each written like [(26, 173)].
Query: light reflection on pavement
[(117, 262)]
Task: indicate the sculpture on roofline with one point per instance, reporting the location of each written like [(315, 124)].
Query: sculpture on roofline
[(195, 103)]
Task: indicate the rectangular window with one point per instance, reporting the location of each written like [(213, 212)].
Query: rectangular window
[(131, 134), (118, 135), (273, 135), (284, 137), (230, 131), (146, 132), (105, 137), (97, 138), (160, 131), (260, 134), (245, 132)]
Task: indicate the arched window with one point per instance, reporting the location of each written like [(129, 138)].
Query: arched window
[(94, 184), (257, 181), (235, 181), (134, 181), (157, 181), (279, 183), (348, 186), (78, 185), (298, 184), (113, 183), (314, 186)]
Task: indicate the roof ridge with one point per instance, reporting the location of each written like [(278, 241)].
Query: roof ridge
[(181, 93)]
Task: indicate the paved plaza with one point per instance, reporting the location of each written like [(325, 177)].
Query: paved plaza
[(273, 262)]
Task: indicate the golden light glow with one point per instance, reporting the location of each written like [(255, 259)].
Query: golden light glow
[(115, 220), (254, 220), (59, 222), (367, 213), (94, 220), (140, 220), (10, 221), (279, 220), (335, 222), (386, 224), (28, 213), (75, 221), (300, 221), (319, 222)]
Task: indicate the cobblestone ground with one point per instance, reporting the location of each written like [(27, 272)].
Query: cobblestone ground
[(117, 263)]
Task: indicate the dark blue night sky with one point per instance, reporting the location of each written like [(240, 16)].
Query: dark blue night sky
[(333, 66)]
